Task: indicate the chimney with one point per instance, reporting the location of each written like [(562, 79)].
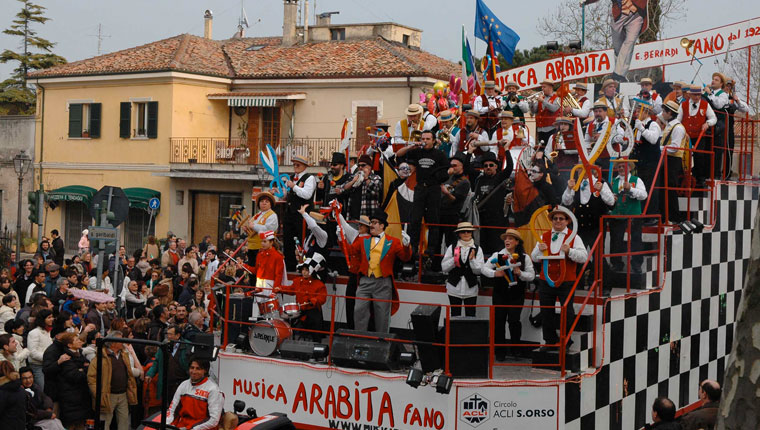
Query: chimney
[(306, 22), (208, 19), (324, 18), (289, 36)]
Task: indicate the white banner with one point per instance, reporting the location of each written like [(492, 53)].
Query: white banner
[(536, 407), (660, 53), (320, 397)]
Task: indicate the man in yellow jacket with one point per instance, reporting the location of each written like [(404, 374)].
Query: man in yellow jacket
[(119, 389)]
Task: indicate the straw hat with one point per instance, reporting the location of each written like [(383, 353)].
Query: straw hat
[(363, 220), (721, 76), (511, 232), (608, 82), (580, 86), (413, 109), (265, 195), (464, 226), (318, 217), (300, 159), (671, 105)]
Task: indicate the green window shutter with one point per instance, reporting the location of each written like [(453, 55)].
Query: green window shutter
[(75, 120), (95, 109), (152, 120), (125, 113)]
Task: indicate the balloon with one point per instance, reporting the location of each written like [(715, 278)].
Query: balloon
[(470, 85), (443, 104), (423, 98), (457, 86), (454, 98), (439, 86), (431, 106), (452, 82)]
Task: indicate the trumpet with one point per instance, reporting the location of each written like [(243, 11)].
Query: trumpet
[(533, 96), (415, 136), (444, 136)]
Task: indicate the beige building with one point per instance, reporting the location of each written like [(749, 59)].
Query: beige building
[(183, 119)]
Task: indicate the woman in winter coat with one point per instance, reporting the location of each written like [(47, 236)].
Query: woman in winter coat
[(84, 241), (12, 398), (74, 393), (37, 342), (462, 262)]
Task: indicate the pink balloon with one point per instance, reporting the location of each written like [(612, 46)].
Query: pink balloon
[(452, 80), (470, 85), (457, 86), (423, 98)]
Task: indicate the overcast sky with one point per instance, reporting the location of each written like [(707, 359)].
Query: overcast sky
[(74, 24)]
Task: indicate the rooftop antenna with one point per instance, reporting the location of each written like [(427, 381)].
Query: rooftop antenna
[(100, 37), (243, 20)]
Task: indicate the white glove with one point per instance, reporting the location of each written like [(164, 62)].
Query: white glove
[(639, 125), (359, 181), (405, 239)]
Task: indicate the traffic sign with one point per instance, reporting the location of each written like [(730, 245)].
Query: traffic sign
[(119, 204), (154, 203), (107, 234)]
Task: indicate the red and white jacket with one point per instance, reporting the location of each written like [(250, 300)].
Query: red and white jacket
[(196, 406)]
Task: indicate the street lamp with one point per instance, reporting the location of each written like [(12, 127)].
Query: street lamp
[(21, 164)]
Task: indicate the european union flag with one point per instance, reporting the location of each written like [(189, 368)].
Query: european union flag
[(489, 28)]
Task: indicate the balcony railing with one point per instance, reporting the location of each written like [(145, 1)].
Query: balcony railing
[(222, 150)]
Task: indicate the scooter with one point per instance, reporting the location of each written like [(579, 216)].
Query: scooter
[(248, 421)]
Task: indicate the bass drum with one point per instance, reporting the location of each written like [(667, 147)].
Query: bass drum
[(266, 336)]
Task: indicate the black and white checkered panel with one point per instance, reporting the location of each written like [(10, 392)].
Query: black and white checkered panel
[(663, 344)]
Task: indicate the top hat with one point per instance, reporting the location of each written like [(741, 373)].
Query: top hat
[(338, 158)]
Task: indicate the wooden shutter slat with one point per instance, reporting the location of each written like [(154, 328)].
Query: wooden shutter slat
[(152, 120), (95, 112), (75, 120), (125, 120)]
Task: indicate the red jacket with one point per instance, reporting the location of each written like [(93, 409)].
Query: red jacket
[(392, 248), (308, 290), (270, 264)]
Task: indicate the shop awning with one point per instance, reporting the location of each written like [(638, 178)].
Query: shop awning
[(139, 197), (258, 99), (72, 193)]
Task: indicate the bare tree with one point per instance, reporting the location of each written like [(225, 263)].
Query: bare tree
[(735, 64), (740, 404), (565, 23)]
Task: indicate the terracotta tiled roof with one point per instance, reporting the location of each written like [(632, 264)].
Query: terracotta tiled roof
[(264, 58), (375, 57), (185, 53)]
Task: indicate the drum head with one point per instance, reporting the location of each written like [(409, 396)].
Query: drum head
[(263, 338), (266, 336)]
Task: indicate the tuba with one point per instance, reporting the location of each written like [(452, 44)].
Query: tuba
[(568, 100)]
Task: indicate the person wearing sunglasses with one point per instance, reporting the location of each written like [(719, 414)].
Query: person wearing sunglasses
[(490, 191)]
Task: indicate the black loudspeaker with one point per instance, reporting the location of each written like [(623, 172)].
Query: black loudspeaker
[(241, 309), (297, 349), (364, 353), (425, 325), (206, 351), (470, 361)]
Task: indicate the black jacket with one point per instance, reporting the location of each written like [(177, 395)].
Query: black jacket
[(40, 403), (74, 393), (59, 249), (51, 369), (13, 405)]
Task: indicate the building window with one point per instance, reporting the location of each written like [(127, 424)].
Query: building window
[(270, 130), (76, 219), (337, 34), (137, 228), (405, 39), (141, 119), (84, 120), (138, 120)]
